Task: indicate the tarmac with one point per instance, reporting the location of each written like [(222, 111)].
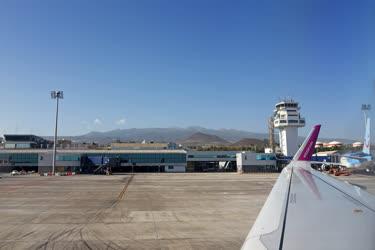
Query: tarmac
[(142, 211)]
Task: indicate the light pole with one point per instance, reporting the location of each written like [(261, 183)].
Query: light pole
[(56, 94)]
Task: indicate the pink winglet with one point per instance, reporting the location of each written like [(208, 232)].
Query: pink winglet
[(307, 149)]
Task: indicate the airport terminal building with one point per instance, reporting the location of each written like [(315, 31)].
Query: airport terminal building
[(129, 161), (31, 153), (92, 161)]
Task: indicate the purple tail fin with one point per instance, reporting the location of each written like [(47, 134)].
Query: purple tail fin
[(307, 149)]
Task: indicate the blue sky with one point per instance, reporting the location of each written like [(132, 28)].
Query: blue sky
[(216, 64)]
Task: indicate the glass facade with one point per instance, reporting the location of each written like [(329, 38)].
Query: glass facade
[(215, 155), (30, 158), (23, 145), (10, 145), (68, 157), (93, 161), (140, 158), (265, 157)]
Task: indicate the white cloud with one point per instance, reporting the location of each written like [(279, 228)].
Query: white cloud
[(97, 121), (122, 121)]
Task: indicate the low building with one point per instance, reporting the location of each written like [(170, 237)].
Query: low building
[(326, 153), (25, 142), (334, 144), (33, 153), (332, 156), (357, 144), (142, 146), (91, 161), (319, 144), (256, 162)]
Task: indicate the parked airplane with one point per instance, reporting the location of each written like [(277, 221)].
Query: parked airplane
[(353, 160), (307, 209)]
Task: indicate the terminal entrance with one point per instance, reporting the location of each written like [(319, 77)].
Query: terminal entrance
[(212, 166)]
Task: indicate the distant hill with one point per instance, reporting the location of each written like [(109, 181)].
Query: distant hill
[(200, 138), (174, 134), (246, 142), (165, 134)]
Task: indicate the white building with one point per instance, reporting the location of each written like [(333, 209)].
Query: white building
[(357, 144), (255, 162), (319, 144), (288, 119), (333, 144)]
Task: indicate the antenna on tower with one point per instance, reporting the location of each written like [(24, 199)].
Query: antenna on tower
[(271, 134)]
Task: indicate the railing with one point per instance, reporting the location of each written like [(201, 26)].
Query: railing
[(285, 122)]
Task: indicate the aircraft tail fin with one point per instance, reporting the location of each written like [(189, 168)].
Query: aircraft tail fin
[(366, 145), (306, 151)]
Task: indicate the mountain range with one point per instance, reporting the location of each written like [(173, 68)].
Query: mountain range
[(199, 139), (177, 134), (166, 134)]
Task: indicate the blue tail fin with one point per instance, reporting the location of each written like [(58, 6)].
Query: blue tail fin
[(366, 145)]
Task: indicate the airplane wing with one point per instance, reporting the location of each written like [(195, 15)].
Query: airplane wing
[(307, 209)]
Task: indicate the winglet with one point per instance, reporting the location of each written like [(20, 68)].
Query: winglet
[(307, 149)]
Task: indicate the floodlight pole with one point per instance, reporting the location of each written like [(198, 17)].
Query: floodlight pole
[(55, 95)]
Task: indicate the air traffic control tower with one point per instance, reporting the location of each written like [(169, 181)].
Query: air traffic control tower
[(288, 119)]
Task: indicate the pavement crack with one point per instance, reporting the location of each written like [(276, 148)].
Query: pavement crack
[(83, 239), (123, 192)]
